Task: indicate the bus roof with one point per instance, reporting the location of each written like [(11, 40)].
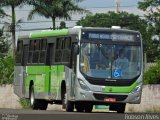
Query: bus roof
[(70, 31), (48, 33), (108, 29)]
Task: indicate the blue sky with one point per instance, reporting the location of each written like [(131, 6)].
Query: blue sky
[(95, 6)]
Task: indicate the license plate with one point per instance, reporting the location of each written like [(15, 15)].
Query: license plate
[(110, 99)]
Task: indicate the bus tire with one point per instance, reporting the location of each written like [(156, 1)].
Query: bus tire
[(121, 108), (88, 108), (33, 101), (79, 107), (69, 106), (43, 104), (66, 104)]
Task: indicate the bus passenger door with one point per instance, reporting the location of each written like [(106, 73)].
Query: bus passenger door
[(53, 70), (70, 82), (54, 81)]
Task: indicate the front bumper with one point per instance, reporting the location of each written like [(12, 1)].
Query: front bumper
[(132, 98)]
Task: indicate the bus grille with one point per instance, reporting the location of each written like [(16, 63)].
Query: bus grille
[(103, 96)]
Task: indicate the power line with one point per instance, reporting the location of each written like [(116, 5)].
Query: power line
[(43, 21), (33, 29), (28, 22), (103, 7)]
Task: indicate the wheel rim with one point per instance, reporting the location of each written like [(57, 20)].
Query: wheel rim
[(32, 98)]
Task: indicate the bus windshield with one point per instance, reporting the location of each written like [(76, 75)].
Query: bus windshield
[(110, 61)]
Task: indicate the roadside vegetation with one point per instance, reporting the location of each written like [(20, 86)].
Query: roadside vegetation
[(152, 76), (153, 110), (24, 103), (6, 62), (148, 110)]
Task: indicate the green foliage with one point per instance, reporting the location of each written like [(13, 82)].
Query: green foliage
[(152, 15), (2, 13), (153, 110), (6, 62), (6, 70), (111, 18), (62, 25), (24, 103), (12, 4), (54, 9), (152, 76)]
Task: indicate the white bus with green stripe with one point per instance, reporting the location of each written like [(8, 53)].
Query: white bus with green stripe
[(79, 68)]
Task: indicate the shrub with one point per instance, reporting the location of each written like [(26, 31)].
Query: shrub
[(152, 76), (6, 70), (24, 103)]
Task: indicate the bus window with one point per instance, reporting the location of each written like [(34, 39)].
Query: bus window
[(67, 50), (43, 44), (36, 52), (58, 43), (25, 55), (50, 54), (58, 54), (31, 48), (68, 43), (63, 50), (43, 51), (63, 43), (19, 52)]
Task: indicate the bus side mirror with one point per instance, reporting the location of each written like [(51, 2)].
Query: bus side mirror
[(76, 49)]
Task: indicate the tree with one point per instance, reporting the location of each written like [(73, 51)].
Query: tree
[(62, 25), (12, 4), (2, 13), (54, 9), (3, 45), (152, 15), (6, 62), (125, 20)]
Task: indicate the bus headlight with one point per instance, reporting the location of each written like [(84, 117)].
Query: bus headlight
[(83, 85), (137, 88)]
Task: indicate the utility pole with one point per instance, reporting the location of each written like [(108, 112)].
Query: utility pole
[(117, 6)]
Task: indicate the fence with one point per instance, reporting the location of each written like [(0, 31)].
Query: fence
[(150, 100)]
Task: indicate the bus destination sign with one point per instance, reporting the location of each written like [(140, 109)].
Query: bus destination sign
[(108, 36)]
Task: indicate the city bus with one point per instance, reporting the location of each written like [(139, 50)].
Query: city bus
[(79, 68)]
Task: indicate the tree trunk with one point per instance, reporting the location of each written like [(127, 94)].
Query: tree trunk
[(54, 23), (13, 30)]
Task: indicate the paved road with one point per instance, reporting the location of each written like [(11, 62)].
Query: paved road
[(19, 114)]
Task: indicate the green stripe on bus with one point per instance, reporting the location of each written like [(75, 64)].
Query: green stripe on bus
[(49, 33), (120, 89)]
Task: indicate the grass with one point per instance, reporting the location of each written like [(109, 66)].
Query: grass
[(153, 110), (131, 109), (24, 103), (148, 110)]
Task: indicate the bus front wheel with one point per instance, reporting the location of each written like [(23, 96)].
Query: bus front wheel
[(120, 108), (66, 104), (83, 107), (79, 106), (88, 108)]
